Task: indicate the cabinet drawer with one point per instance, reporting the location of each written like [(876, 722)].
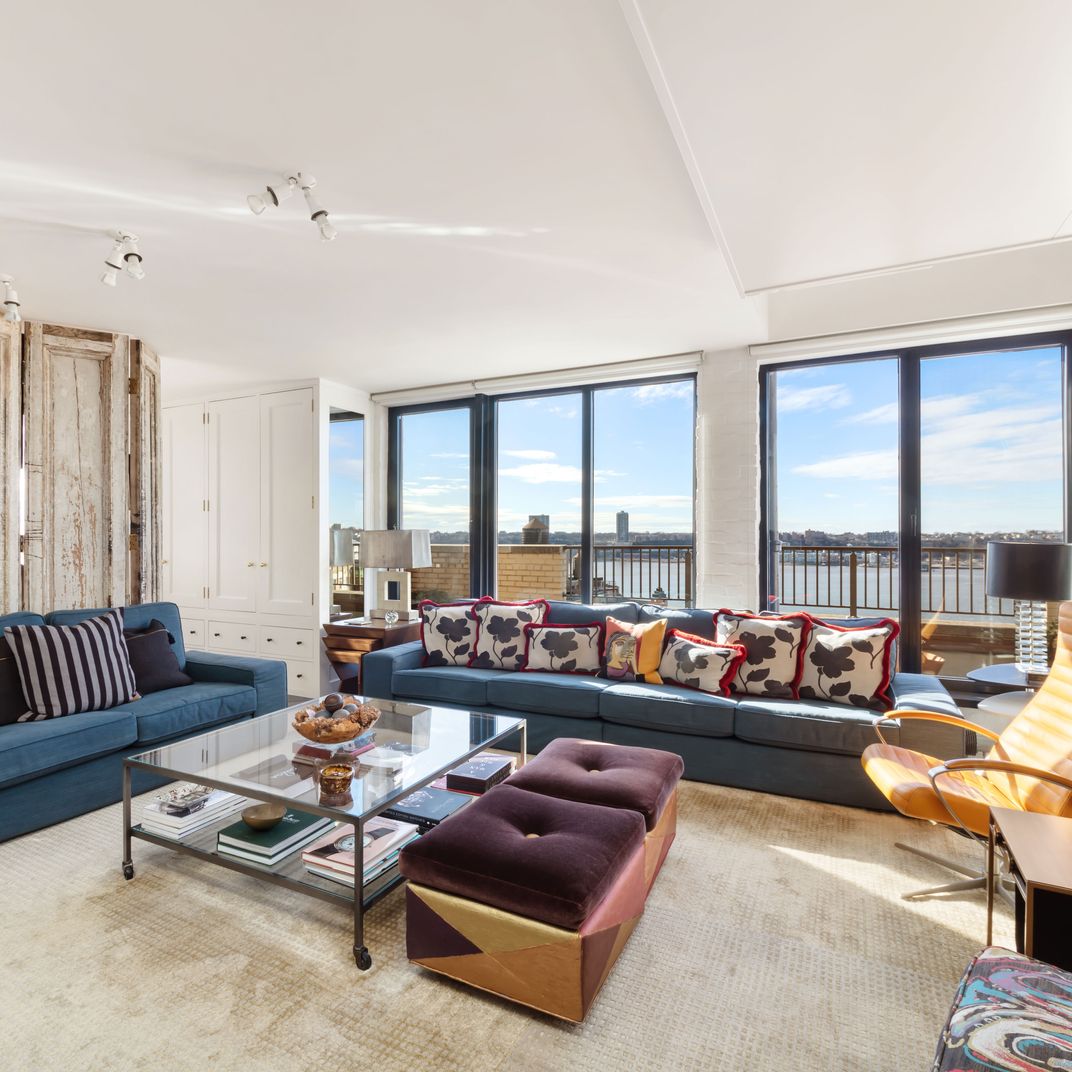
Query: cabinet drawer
[(302, 680), (193, 633), (232, 637), (286, 643)]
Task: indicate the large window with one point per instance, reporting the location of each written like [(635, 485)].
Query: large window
[(583, 494), (346, 507), (886, 476)]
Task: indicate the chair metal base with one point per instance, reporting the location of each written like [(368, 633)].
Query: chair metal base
[(974, 879)]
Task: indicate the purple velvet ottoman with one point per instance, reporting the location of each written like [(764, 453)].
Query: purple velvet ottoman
[(526, 896), (643, 780)]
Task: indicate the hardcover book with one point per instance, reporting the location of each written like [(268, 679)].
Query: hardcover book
[(278, 774), (428, 807), (480, 773), (336, 850), (296, 828)]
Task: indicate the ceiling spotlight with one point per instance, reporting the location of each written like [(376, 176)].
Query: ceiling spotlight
[(132, 258), (11, 300), (124, 257), (273, 196), (317, 213)]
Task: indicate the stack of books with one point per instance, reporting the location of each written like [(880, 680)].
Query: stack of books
[(280, 774), (308, 753), (268, 847), (183, 811), (333, 856)]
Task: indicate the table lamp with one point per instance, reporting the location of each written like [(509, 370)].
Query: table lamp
[(1033, 574), (394, 552)]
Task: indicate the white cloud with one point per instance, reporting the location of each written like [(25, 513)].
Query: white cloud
[(567, 413), (864, 465), (531, 455), (825, 396), (658, 392), (449, 454), (543, 473)]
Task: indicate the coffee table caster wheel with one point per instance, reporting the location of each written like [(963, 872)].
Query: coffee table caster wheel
[(128, 871), (363, 959)]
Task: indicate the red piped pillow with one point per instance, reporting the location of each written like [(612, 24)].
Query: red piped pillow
[(448, 632), (700, 664), (849, 664), (775, 647), (500, 636)]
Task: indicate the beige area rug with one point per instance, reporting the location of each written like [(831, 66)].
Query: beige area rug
[(775, 939)]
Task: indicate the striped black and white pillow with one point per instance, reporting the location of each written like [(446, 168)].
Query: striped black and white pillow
[(65, 669)]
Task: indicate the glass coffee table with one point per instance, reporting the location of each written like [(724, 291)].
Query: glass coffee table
[(429, 741)]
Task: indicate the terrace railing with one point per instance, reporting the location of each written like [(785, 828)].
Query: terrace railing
[(952, 579), (645, 572)]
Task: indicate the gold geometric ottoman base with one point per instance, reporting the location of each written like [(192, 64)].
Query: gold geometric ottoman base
[(548, 968), (658, 840)]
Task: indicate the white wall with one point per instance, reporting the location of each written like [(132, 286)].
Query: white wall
[(727, 480)]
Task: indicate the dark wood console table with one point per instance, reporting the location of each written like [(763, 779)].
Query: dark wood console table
[(347, 642)]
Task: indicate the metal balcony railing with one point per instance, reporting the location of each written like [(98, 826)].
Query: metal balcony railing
[(952, 579), (645, 572)]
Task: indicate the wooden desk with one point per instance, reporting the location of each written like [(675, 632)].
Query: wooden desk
[(347, 642), (1039, 848)]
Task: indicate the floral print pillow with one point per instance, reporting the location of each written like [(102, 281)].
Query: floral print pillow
[(500, 635), (700, 664), (774, 646), (448, 633), (849, 665), (564, 649)]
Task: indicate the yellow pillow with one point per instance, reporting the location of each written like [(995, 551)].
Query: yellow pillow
[(633, 652)]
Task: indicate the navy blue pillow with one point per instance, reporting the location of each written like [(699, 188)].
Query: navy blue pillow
[(154, 664)]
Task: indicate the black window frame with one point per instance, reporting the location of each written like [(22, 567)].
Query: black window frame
[(909, 538), (484, 469)]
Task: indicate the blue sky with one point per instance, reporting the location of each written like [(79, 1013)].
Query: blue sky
[(346, 453), (643, 461), (991, 444)]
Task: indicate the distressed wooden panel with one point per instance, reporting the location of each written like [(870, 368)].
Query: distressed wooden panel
[(76, 412), (145, 477), (10, 461)]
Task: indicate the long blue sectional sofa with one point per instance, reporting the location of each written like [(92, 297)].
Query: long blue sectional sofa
[(798, 748), (62, 767)]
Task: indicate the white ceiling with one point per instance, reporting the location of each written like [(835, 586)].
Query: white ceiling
[(519, 185)]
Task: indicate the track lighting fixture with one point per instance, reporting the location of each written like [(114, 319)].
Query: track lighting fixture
[(11, 300), (276, 194), (124, 257)]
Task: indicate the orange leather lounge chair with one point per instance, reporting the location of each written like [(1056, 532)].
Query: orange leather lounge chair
[(1028, 768)]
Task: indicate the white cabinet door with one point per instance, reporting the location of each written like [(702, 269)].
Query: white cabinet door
[(184, 529), (288, 514), (234, 464)]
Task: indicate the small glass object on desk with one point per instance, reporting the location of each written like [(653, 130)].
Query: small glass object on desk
[(334, 778), (390, 617)]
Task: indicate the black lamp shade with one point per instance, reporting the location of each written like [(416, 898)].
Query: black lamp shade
[(1039, 572)]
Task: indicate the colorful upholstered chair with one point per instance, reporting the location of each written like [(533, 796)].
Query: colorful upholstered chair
[(1028, 768)]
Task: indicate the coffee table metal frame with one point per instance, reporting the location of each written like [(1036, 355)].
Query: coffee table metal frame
[(361, 897)]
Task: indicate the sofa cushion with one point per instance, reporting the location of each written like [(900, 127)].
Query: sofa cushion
[(500, 633), (631, 651), (775, 646), (565, 613), (180, 711), (696, 622), (669, 708), (446, 684), (695, 663), (812, 725), (136, 617), (849, 665), (153, 659), (573, 695), (69, 669), (547, 859), (564, 649), (614, 775), (448, 632), (12, 702), (32, 748)]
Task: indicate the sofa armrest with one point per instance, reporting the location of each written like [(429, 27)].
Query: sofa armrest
[(378, 667), (924, 692), (267, 676)]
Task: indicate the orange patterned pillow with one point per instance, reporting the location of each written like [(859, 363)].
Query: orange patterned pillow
[(632, 652)]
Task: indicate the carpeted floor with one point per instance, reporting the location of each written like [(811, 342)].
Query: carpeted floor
[(775, 939)]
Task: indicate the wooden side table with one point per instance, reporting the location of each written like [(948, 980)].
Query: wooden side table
[(1039, 848), (347, 642)]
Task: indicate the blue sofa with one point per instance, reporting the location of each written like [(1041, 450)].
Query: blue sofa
[(62, 767), (797, 748)]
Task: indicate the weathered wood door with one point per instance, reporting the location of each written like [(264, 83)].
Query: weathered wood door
[(77, 414), (10, 464), (145, 478)]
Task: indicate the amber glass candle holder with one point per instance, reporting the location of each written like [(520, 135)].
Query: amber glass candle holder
[(335, 778)]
